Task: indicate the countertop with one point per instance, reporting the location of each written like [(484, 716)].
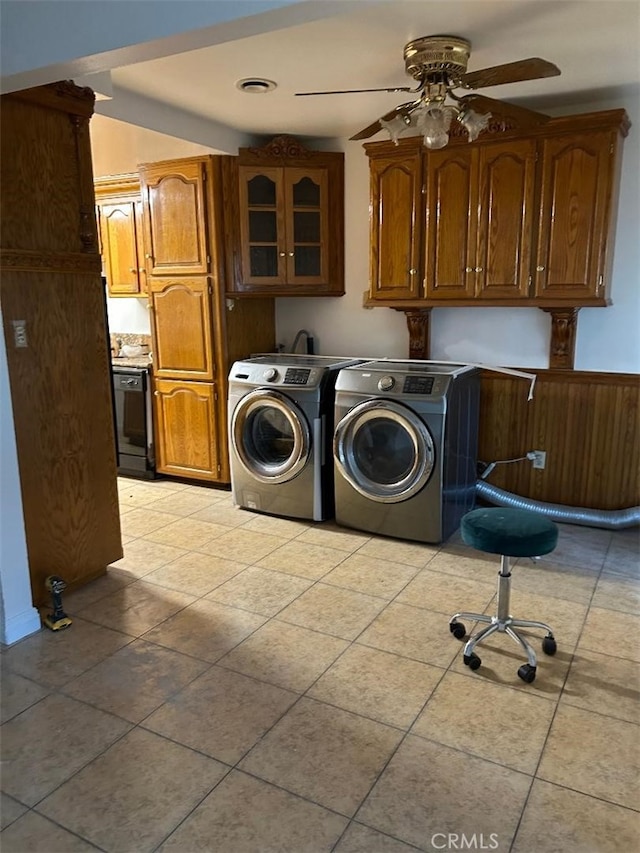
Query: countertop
[(134, 361)]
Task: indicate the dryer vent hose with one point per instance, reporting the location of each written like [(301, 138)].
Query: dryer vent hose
[(615, 519)]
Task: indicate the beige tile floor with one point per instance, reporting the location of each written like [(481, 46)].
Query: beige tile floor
[(245, 684)]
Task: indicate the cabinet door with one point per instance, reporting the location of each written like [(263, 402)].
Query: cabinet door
[(262, 225), (181, 323), (576, 188), (396, 227), (119, 236), (306, 232), (173, 197), (186, 429), (451, 223), (505, 219)]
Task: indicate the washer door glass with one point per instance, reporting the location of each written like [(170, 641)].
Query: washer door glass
[(270, 436), (384, 450)]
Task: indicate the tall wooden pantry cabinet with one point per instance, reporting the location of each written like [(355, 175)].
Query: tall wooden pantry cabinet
[(196, 332), (53, 313)]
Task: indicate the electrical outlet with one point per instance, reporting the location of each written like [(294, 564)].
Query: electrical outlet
[(19, 333), (539, 459)]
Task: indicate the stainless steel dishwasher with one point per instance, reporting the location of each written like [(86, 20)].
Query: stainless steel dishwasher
[(134, 421)]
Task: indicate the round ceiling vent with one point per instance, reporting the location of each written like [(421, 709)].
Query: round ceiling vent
[(256, 85)]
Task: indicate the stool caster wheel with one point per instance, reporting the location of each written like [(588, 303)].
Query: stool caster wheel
[(527, 673), (549, 646), (472, 660), (457, 629)]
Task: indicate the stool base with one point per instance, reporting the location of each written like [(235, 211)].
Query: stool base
[(502, 623)]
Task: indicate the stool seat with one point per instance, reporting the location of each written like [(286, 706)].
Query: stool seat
[(510, 531)]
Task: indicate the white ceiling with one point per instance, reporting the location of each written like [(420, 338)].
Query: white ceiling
[(595, 43)]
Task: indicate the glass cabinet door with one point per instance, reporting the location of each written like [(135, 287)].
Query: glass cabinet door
[(262, 226), (306, 225)]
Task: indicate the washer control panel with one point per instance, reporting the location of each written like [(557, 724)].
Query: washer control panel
[(297, 376), (418, 385)]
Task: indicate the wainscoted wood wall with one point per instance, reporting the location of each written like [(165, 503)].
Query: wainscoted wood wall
[(588, 424)]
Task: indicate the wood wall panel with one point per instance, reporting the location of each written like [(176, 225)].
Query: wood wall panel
[(588, 425), (60, 381)]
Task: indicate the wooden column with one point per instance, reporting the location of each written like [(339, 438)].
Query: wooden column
[(419, 333), (562, 350), (53, 310)]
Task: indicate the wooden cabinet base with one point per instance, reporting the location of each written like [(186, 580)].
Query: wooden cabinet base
[(187, 434)]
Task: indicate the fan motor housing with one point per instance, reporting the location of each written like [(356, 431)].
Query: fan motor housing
[(431, 54)]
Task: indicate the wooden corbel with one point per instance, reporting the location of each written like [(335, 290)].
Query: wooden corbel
[(562, 349), (419, 332)]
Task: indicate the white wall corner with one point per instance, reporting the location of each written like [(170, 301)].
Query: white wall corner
[(19, 625)]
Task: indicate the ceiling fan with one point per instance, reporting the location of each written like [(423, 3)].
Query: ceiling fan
[(438, 64)]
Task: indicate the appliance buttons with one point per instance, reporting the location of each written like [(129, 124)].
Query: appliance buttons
[(270, 375)]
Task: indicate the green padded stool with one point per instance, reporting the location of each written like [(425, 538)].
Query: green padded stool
[(509, 532)]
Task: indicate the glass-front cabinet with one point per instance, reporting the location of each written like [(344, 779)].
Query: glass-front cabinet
[(288, 238), (284, 226)]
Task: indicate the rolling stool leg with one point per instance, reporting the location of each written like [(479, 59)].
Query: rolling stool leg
[(470, 658)]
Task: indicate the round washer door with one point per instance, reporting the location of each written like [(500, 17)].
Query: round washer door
[(384, 450), (270, 436)]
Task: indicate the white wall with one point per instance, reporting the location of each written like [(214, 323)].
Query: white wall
[(18, 617)]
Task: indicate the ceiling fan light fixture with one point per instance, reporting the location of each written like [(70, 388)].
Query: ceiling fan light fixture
[(255, 85), (396, 126), (474, 123), (434, 123)]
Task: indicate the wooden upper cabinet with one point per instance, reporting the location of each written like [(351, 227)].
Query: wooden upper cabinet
[(518, 217), (479, 218), (505, 219), (262, 226), (577, 173), (396, 224), (451, 223), (284, 221), (175, 217), (119, 215), (182, 328)]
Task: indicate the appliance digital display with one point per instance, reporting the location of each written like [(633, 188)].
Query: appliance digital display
[(418, 385), (296, 376)]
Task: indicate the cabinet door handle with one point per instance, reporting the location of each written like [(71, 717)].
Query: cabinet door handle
[(149, 257), (412, 272), (540, 269), (283, 254), (478, 269), (141, 269), (132, 269), (468, 269), (290, 254)]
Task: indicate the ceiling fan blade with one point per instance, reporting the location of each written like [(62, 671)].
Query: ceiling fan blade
[(511, 72), (503, 108), (372, 129), (353, 91)]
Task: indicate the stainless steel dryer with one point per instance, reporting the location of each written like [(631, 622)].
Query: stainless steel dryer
[(405, 447), (280, 431)]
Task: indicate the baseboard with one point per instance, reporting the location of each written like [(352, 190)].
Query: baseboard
[(20, 625)]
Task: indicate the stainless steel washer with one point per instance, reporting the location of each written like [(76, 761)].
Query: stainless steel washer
[(280, 430), (405, 447)]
